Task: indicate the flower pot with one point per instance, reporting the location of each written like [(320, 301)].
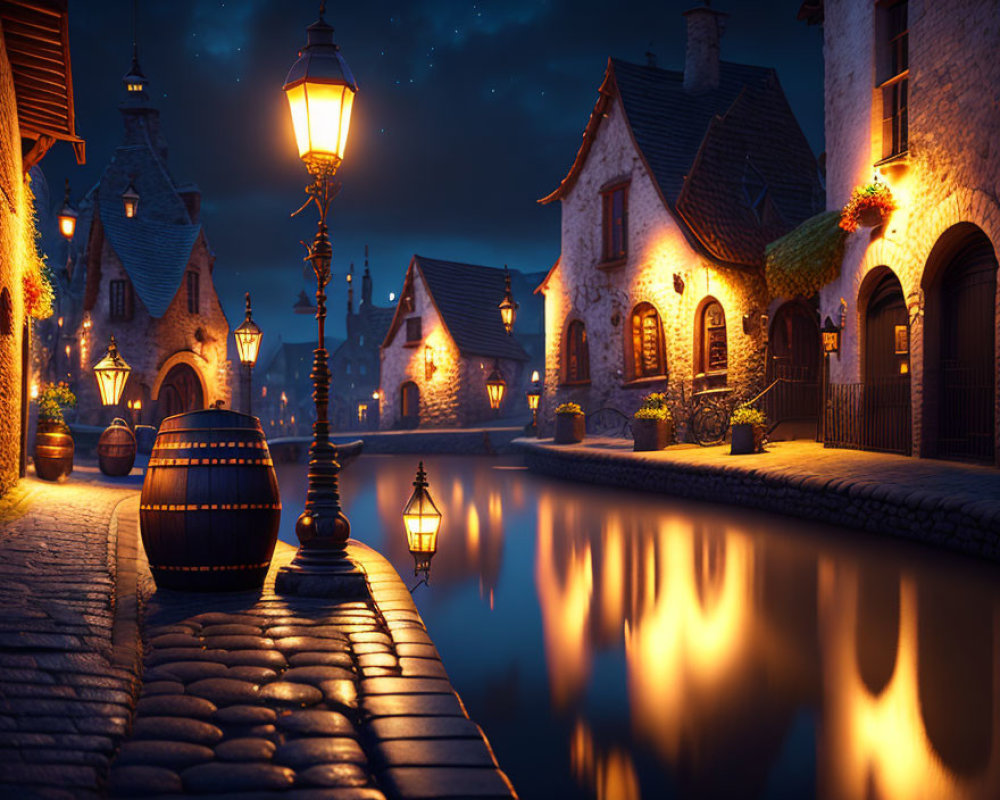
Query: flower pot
[(570, 428), (53, 451), (870, 217), (743, 441), (651, 434)]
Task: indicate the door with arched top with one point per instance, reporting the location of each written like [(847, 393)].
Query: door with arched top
[(885, 407), (794, 361), (409, 405), (180, 392)]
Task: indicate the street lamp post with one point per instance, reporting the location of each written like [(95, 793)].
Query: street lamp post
[(320, 90), (248, 337), (508, 306), (533, 395)]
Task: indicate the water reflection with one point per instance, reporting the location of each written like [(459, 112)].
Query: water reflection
[(660, 649)]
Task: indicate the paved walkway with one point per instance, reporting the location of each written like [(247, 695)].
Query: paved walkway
[(940, 502), (67, 674)]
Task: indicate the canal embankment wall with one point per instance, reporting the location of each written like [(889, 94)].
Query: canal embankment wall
[(934, 502)]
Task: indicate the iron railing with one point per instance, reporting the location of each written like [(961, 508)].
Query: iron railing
[(965, 415), (795, 395), (872, 416)]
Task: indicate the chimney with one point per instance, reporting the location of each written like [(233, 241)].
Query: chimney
[(701, 60)]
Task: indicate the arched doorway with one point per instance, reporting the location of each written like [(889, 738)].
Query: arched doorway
[(409, 405), (885, 399), (960, 374), (793, 356), (180, 392)]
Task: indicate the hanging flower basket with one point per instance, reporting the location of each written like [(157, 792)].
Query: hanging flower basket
[(868, 207)]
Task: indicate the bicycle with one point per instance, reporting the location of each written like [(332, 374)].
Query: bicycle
[(708, 415)]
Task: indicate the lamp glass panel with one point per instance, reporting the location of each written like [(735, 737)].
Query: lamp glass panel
[(300, 118), (422, 520), (533, 398), (67, 225), (248, 344)]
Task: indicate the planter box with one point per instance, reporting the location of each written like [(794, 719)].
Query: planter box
[(746, 439), (651, 434), (570, 428)]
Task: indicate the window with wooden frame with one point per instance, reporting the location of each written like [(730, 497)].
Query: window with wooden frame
[(894, 70), (614, 214), (414, 330), (120, 300), (577, 354), (644, 354), (193, 292), (711, 357)]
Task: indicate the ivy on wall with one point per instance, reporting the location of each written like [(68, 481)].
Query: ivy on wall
[(38, 293), (801, 262)]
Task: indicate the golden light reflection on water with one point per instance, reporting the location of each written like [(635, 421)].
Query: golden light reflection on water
[(610, 774)]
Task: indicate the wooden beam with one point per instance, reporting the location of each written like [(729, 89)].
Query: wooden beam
[(50, 38), (56, 90), (37, 151), (55, 8), (57, 83), (31, 59)]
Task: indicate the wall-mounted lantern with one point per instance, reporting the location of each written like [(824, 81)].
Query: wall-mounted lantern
[(111, 373), (422, 520), (496, 387), (429, 366), (67, 216), (130, 200), (831, 337), (508, 306)]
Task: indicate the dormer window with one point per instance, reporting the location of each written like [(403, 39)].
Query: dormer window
[(614, 214)]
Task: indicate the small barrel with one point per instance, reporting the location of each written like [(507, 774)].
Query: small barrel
[(116, 449), (210, 507), (53, 451)]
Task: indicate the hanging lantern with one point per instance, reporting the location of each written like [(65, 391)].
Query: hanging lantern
[(320, 90), (534, 394), (496, 387), (831, 337), (111, 373), (248, 337), (130, 201), (508, 308), (67, 216), (422, 520)]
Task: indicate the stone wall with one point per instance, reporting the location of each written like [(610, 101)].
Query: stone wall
[(15, 213), (951, 174), (152, 346), (604, 298)]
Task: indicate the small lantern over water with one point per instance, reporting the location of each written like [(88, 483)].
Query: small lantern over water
[(496, 388), (508, 307), (535, 392), (422, 520), (248, 337), (67, 216), (320, 90), (130, 201), (831, 337), (111, 373)]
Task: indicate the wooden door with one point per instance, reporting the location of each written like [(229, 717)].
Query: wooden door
[(409, 404), (180, 392), (885, 407), (793, 356)]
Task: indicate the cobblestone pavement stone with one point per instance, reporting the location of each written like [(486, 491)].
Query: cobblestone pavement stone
[(938, 502), (67, 671), (258, 695)]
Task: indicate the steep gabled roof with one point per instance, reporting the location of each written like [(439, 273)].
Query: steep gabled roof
[(467, 296), (695, 146)]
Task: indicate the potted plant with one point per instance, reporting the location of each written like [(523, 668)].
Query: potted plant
[(652, 425), (53, 442), (748, 425), (570, 424), (869, 206)]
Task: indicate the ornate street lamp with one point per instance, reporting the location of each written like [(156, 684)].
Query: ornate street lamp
[(831, 337), (320, 91), (496, 387), (130, 200), (422, 520), (508, 307), (67, 216), (248, 337), (534, 394), (111, 373)]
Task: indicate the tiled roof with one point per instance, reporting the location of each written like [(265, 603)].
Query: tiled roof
[(468, 297), (380, 319)]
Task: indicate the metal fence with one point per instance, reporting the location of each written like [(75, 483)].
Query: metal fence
[(795, 397), (873, 416), (965, 417)]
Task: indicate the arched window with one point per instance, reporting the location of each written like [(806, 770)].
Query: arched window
[(6, 313), (711, 352), (577, 353), (644, 355)]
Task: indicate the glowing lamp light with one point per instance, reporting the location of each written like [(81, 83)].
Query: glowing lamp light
[(508, 307), (534, 394), (422, 521), (320, 90), (111, 373), (130, 201), (429, 366), (34, 390), (248, 337), (831, 337), (496, 388), (67, 216)]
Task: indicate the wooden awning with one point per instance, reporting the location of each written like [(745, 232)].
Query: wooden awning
[(36, 38)]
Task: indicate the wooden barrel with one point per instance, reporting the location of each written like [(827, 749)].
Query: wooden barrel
[(53, 451), (210, 508), (116, 449)]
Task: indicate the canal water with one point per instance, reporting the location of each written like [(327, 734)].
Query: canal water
[(619, 645)]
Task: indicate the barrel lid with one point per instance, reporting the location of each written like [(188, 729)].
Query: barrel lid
[(211, 418)]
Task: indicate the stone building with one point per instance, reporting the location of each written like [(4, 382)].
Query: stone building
[(445, 339), (911, 94), (283, 389), (682, 179), (33, 116), (147, 278), (356, 362)]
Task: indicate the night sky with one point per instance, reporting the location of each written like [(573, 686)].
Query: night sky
[(467, 113)]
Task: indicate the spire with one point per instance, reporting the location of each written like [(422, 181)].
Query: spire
[(366, 283), (134, 80), (350, 290)]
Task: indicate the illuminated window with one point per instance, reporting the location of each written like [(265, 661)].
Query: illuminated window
[(413, 330), (577, 353), (6, 313), (193, 292), (645, 355), (120, 300), (614, 213), (362, 413), (894, 71), (711, 355)]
